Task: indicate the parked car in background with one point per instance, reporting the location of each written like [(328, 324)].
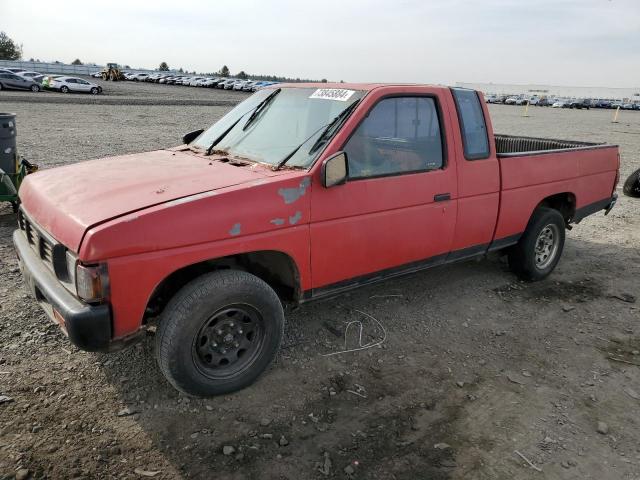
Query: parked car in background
[(230, 84), (248, 86), (560, 104), (627, 106), (225, 82), (511, 101), (580, 103), (495, 99), (29, 74), (74, 84), (97, 75), (545, 102), (140, 77), (603, 104), (11, 81)]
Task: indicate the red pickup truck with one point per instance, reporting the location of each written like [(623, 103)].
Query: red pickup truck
[(300, 192)]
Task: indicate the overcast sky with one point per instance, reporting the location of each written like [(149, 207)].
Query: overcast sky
[(561, 42)]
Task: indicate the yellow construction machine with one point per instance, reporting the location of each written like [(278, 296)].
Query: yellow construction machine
[(112, 72)]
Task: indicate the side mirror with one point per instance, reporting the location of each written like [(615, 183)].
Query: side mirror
[(191, 136), (335, 170)]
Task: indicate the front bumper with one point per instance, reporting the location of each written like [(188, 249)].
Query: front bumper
[(87, 326)]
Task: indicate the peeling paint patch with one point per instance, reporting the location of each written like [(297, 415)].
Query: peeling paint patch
[(295, 218), (235, 230), (290, 195), (278, 221)]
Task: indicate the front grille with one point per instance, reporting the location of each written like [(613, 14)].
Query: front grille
[(46, 250), (41, 243)]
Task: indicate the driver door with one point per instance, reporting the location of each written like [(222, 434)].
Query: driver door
[(397, 210)]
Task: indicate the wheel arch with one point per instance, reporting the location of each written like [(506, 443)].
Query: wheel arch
[(564, 202), (276, 268)]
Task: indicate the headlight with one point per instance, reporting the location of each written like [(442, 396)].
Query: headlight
[(92, 282)]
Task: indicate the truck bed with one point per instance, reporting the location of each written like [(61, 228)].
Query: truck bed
[(535, 168), (512, 145)]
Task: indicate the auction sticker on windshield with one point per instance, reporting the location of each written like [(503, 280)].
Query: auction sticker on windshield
[(333, 94)]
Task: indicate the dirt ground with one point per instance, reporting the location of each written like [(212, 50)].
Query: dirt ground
[(476, 366)]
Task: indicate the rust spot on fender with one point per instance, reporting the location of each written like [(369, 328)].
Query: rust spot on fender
[(290, 195)]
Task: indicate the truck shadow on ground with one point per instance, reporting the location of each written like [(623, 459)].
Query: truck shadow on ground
[(403, 410)]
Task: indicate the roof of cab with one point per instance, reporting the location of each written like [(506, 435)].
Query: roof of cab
[(352, 86)]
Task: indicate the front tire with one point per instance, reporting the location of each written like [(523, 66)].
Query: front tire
[(35, 88), (219, 333), (540, 247), (95, 91)]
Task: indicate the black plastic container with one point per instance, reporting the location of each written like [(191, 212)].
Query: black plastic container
[(8, 153)]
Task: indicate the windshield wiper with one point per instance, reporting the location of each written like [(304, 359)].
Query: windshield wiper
[(256, 110), (323, 138), (261, 106), (223, 134)]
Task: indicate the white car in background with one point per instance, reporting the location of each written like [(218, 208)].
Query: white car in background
[(74, 84), (140, 77), (29, 75)]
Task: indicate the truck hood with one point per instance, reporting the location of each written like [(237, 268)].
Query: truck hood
[(68, 200)]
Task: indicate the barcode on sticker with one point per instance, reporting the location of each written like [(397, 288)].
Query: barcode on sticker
[(333, 94)]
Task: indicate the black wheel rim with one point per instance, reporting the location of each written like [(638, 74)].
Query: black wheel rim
[(229, 341)]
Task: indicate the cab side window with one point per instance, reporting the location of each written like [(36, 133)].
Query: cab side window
[(475, 141), (399, 135)]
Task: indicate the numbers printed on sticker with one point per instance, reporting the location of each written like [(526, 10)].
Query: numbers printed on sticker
[(339, 94)]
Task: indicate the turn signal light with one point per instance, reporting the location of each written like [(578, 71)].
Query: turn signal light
[(92, 282)]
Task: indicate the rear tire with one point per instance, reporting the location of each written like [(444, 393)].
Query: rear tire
[(64, 89), (631, 186), (219, 333), (540, 247)]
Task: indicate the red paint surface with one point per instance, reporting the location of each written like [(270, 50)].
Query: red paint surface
[(148, 215)]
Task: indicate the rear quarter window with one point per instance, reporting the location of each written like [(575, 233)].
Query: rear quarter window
[(475, 140)]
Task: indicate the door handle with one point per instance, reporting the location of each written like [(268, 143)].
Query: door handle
[(442, 197)]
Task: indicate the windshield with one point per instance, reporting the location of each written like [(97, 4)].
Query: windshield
[(292, 117)]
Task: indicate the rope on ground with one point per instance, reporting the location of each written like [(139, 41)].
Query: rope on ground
[(360, 346)]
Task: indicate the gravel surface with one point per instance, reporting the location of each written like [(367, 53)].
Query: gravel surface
[(478, 372)]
